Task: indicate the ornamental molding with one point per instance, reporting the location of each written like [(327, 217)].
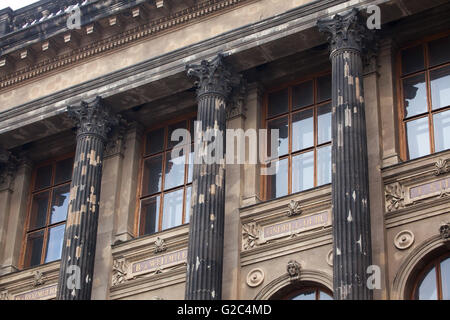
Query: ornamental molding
[(348, 31), (115, 144), (153, 28), (93, 117), (236, 104), (8, 168), (256, 234)]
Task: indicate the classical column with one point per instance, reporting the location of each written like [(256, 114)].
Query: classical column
[(94, 121), (348, 36), (206, 238)]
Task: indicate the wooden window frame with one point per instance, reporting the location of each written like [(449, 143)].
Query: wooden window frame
[(435, 263), (400, 101), (317, 290), (31, 194), (314, 106), (162, 192)]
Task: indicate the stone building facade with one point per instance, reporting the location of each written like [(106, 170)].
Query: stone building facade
[(93, 204)]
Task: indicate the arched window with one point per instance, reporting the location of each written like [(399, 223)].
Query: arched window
[(311, 294), (433, 282), (303, 290)]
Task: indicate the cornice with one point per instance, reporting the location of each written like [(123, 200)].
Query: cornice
[(139, 33)]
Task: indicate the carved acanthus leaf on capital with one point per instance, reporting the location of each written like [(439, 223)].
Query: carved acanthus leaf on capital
[(349, 31), (8, 166), (214, 77), (93, 117)]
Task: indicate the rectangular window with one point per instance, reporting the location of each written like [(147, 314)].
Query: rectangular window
[(425, 97), (166, 178), (302, 114), (47, 213)]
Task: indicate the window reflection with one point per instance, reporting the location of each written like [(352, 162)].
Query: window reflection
[(35, 242), (278, 103), (54, 243), (173, 209), (303, 172), (442, 131), (279, 181), (324, 165), (283, 138), (418, 138), (152, 175), (60, 204), (149, 215), (174, 169), (440, 87), (434, 284), (415, 95), (303, 130)]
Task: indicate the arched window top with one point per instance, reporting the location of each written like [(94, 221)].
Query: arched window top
[(315, 293), (433, 283)]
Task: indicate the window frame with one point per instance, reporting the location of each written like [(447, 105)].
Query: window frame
[(264, 180), (53, 186), (400, 101), (317, 290), (434, 263), (143, 157)]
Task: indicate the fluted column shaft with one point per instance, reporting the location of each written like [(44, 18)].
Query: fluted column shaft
[(350, 184), (206, 230), (77, 260)]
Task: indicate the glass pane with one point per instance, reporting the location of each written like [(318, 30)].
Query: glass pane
[(412, 60), (445, 277), (64, 171), (173, 209), (151, 181), (54, 243), (442, 131), (191, 165), (303, 95), (323, 165), (172, 128), (174, 169), (188, 205), (439, 51), (283, 139), (310, 295), (278, 183), (155, 141), (418, 138), (302, 130), (440, 87), (324, 123), (149, 216), (38, 217), (43, 177), (427, 289), (324, 88), (324, 296), (303, 172), (60, 204), (278, 103), (34, 249), (415, 95)]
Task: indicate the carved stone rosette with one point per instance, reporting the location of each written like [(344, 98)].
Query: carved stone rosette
[(160, 245), (350, 40), (94, 121), (441, 167), (39, 278)]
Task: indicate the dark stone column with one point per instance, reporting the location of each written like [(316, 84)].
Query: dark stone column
[(348, 36), (205, 252), (94, 121)]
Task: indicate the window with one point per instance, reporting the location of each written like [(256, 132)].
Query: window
[(311, 294), (434, 282), (165, 188), (302, 113), (425, 97), (47, 214)]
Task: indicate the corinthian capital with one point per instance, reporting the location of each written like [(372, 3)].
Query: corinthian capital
[(347, 31), (8, 166), (213, 77), (93, 117)]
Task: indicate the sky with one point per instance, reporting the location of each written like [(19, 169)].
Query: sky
[(15, 4)]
